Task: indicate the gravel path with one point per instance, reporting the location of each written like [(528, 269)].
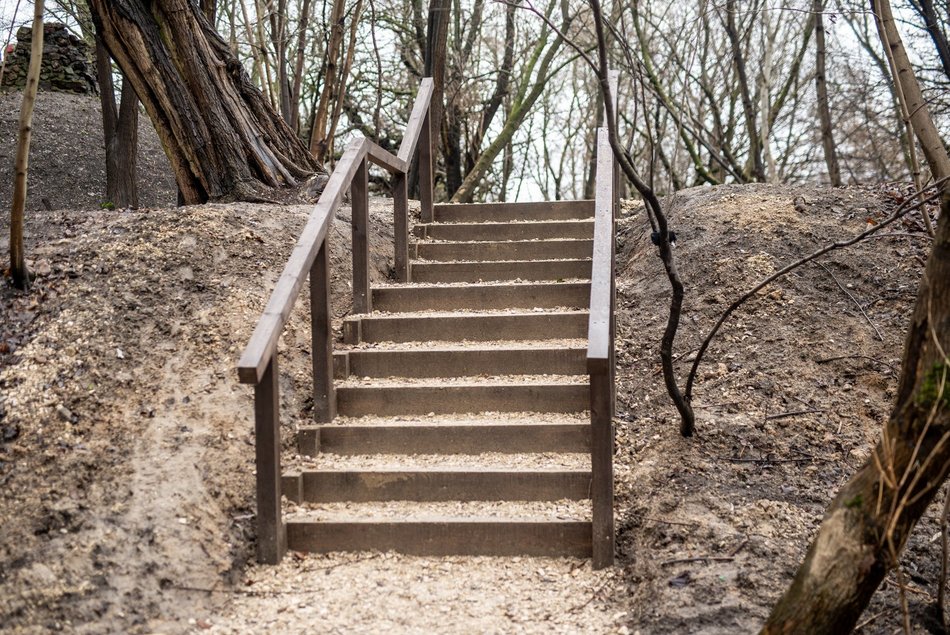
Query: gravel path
[(386, 592)]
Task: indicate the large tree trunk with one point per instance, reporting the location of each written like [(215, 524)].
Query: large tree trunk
[(821, 86), (120, 133), (869, 521), (223, 140), (18, 270)]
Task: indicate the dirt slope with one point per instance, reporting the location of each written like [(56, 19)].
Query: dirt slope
[(752, 488), (67, 154), (127, 462)]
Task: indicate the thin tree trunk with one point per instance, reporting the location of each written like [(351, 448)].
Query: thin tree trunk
[(345, 74), (318, 132), (18, 270), (755, 150), (120, 133), (298, 65), (927, 11), (821, 86), (924, 128)]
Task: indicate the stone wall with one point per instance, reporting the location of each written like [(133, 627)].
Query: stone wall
[(67, 65)]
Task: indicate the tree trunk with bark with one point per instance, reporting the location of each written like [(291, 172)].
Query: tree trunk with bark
[(18, 271), (738, 59), (821, 86), (120, 133), (924, 128), (319, 143), (869, 521), (222, 138)]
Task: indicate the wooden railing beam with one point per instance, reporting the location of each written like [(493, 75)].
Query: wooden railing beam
[(425, 170), (401, 227), (359, 203), (602, 455), (271, 533), (324, 393)]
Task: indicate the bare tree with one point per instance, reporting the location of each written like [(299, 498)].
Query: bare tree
[(821, 86), (19, 273)]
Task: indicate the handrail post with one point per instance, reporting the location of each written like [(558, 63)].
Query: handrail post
[(321, 333), (359, 196), (401, 226), (424, 150), (602, 482), (271, 533)]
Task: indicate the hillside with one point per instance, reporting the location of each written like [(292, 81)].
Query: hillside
[(67, 155), (126, 462)]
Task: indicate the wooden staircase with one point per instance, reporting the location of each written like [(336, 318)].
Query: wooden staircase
[(471, 411), (425, 384)]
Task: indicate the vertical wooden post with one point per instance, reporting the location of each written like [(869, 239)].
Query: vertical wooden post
[(359, 195), (602, 469), (424, 148), (271, 533), (401, 226), (321, 333)]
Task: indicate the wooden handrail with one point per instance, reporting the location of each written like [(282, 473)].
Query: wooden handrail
[(309, 258), (601, 332), (420, 109), (601, 283)]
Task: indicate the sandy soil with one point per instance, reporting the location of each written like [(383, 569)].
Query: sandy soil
[(126, 456)]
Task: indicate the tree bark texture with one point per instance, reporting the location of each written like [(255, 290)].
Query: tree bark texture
[(120, 131), (319, 143), (821, 86), (924, 128), (869, 521), (738, 59), (928, 12), (222, 138), (18, 271)]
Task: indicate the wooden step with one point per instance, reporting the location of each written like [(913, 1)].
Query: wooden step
[(432, 485), (454, 438), (502, 250), (501, 212), (443, 398), (400, 299), (424, 271), (462, 362), (546, 230), (457, 327), (444, 536)]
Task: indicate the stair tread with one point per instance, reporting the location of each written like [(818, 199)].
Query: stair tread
[(518, 221), (512, 261), (519, 241), (471, 313), (440, 512), (493, 284), (437, 346), (441, 469), (499, 381), (465, 419), (486, 461)]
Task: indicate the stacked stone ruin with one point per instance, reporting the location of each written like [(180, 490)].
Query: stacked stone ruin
[(67, 65)]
